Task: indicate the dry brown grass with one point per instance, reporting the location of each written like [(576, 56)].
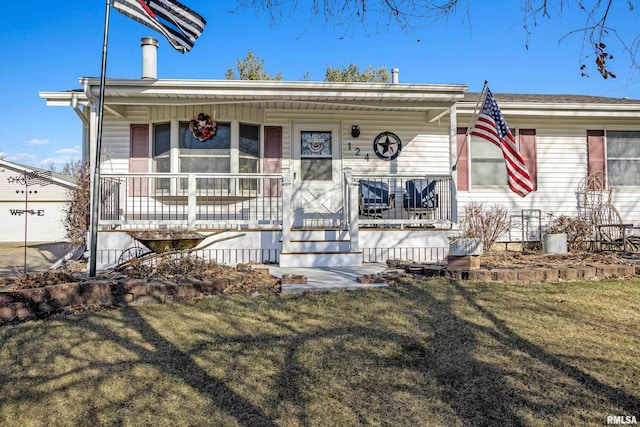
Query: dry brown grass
[(428, 353)]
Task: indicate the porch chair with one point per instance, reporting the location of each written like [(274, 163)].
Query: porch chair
[(375, 198), (420, 197)]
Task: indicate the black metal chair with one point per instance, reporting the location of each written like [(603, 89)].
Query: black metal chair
[(420, 197), (375, 198)]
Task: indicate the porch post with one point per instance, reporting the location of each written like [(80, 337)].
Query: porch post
[(453, 156), (353, 206), (191, 202), (286, 207)]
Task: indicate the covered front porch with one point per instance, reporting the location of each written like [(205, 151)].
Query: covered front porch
[(378, 216)]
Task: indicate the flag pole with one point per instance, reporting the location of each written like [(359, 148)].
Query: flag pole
[(474, 116), (95, 196)]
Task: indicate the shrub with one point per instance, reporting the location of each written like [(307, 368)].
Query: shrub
[(578, 230), (78, 209), (486, 223)]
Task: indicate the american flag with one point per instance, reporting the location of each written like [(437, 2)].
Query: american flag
[(492, 127), (38, 178), (179, 24)]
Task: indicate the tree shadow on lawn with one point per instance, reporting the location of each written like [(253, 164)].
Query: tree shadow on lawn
[(476, 392), (443, 349), (629, 403), (176, 363), (480, 392)]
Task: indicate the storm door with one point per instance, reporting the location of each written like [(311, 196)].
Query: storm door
[(317, 176)]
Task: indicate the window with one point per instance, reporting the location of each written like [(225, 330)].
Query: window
[(249, 154), (234, 149), (161, 147), (623, 157), (487, 163), (315, 156), (162, 153), (210, 156)]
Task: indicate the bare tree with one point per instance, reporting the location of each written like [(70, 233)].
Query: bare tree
[(598, 32), (78, 209)]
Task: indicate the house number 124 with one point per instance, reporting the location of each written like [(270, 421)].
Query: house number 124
[(366, 156)]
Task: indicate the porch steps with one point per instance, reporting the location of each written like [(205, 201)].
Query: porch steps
[(320, 248)]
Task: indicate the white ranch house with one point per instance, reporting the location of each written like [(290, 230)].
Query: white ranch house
[(310, 171)]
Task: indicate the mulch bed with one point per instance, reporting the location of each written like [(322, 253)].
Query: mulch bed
[(535, 259), (191, 277), (69, 290)]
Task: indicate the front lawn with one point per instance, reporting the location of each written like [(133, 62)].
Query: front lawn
[(429, 353)]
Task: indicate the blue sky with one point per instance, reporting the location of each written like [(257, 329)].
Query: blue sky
[(47, 46)]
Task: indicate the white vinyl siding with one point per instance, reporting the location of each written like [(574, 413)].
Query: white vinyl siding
[(425, 146)]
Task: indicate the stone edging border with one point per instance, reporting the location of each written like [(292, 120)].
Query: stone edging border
[(525, 275), (38, 303)]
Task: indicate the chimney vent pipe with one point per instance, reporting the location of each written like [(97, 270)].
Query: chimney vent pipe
[(394, 76), (149, 58)]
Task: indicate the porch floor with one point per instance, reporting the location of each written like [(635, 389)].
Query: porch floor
[(325, 279)]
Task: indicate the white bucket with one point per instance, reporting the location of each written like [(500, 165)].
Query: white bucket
[(554, 243), (465, 246)]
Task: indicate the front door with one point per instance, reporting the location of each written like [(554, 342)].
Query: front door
[(317, 176)]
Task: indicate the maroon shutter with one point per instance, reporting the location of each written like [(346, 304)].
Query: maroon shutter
[(595, 153), (138, 158), (462, 168), (529, 153), (272, 162)]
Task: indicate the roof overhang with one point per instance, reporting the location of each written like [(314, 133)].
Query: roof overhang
[(263, 94), (559, 109)]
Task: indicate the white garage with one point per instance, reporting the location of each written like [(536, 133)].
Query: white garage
[(32, 203)]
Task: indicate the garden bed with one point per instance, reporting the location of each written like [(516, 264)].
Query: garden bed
[(42, 295)]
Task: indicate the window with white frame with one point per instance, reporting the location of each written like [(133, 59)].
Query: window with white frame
[(487, 163), (623, 157), (249, 154), (234, 149), (161, 149), (249, 148), (210, 156)]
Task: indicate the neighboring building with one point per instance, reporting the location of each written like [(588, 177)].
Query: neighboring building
[(33, 201), (312, 172)]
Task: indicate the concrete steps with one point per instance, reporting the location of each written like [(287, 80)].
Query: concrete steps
[(320, 248), (327, 279)]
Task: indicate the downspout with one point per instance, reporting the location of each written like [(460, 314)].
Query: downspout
[(80, 113)]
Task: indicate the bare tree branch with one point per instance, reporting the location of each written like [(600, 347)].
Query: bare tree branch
[(408, 15)]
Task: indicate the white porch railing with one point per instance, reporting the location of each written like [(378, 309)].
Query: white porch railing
[(402, 200), (263, 201), (194, 201)]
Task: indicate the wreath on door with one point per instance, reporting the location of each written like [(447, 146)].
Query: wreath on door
[(203, 127)]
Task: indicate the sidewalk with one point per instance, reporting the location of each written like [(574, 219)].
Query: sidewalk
[(38, 257)]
